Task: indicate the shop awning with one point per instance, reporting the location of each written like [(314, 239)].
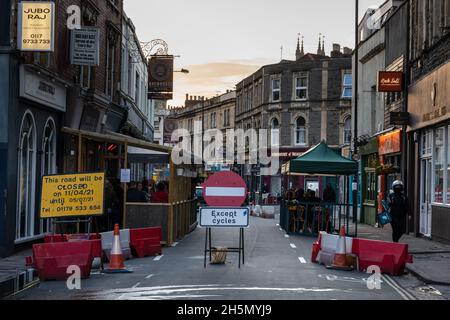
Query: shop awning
[(139, 155), (118, 139), (322, 160)]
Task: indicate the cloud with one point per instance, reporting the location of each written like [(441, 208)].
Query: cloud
[(210, 79)]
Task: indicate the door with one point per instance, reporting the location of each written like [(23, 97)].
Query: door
[(425, 197)]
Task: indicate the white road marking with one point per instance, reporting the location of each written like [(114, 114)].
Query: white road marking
[(293, 246), (281, 229), (402, 292), (302, 260), (158, 258), (149, 276), (277, 224), (136, 285), (174, 244), (286, 236)]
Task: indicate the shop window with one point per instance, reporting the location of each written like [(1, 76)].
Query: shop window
[(427, 145), (48, 162), (26, 176), (371, 186), (439, 162)]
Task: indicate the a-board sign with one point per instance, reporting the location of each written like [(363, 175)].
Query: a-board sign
[(72, 195), (224, 217)]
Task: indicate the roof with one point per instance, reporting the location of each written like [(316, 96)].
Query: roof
[(322, 160)]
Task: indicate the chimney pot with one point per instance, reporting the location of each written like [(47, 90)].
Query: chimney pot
[(187, 96)]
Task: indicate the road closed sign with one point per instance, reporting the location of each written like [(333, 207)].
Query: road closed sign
[(224, 217), (72, 195)]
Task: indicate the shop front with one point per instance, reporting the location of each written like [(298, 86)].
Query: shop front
[(369, 181), (429, 163), (388, 171)]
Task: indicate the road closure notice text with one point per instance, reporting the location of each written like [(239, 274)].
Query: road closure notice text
[(72, 195)]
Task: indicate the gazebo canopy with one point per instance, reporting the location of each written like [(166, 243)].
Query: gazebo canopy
[(322, 160)]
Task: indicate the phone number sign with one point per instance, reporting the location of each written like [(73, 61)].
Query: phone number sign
[(36, 26), (72, 195)]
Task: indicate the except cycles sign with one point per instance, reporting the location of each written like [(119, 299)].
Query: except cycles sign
[(72, 195), (36, 26), (224, 217)]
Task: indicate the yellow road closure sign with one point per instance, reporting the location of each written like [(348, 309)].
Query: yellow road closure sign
[(72, 195)]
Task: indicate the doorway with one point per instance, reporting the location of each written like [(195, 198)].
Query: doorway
[(425, 197)]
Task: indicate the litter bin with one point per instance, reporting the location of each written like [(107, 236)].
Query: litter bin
[(219, 255)]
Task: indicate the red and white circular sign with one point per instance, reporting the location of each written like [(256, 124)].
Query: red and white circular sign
[(225, 189)]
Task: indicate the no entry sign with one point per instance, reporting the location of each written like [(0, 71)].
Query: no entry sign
[(225, 189)]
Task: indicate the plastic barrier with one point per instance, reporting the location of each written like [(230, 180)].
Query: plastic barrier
[(107, 241), (328, 246), (97, 244), (146, 241), (52, 259), (390, 257)]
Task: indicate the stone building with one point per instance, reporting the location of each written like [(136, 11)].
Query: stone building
[(300, 103), (216, 113)]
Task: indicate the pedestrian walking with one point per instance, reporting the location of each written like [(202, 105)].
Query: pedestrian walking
[(398, 205)]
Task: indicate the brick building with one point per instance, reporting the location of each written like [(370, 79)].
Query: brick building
[(301, 103), (49, 106)]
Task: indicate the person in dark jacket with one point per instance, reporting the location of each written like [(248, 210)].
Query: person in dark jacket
[(398, 204), (134, 195), (329, 195)]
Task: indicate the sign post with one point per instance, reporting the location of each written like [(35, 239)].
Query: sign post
[(225, 192)]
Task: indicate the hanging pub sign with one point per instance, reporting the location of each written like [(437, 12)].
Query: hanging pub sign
[(36, 26), (85, 47), (399, 118), (160, 77), (389, 143), (390, 81)]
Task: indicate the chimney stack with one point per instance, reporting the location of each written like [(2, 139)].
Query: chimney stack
[(347, 51), (336, 47), (187, 96)]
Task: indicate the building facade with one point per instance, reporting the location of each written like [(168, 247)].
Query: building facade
[(428, 133), (382, 47), (300, 103), (50, 106)]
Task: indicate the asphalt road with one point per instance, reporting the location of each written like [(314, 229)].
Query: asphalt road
[(276, 267)]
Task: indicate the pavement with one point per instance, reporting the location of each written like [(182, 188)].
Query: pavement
[(277, 267), (14, 276), (431, 259)]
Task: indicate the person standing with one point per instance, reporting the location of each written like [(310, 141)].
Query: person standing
[(398, 209)]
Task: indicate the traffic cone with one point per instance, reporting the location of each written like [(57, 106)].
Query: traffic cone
[(116, 261), (340, 257)]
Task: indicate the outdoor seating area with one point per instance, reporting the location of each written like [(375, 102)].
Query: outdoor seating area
[(310, 215)]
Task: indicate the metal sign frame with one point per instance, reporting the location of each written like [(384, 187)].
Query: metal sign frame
[(240, 250)]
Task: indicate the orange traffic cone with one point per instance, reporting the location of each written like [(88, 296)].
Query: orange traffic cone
[(340, 257), (116, 262)]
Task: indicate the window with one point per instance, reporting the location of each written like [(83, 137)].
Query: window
[(213, 120), (439, 160), (300, 131), (347, 85), (301, 87), (275, 132), (427, 145), (371, 186), (276, 89), (226, 118), (110, 59), (130, 74), (48, 161), (26, 178), (137, 91), (348, 131)]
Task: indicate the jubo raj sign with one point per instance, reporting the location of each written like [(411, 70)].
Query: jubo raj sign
[(36, 25)]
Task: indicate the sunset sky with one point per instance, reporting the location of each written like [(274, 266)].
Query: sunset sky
[(221, 42)]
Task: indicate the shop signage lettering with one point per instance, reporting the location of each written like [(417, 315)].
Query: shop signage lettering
[(72, 195), (85, 47), (390, 143), (389, 81), (224, 217), (435, 114), (36, 22)]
